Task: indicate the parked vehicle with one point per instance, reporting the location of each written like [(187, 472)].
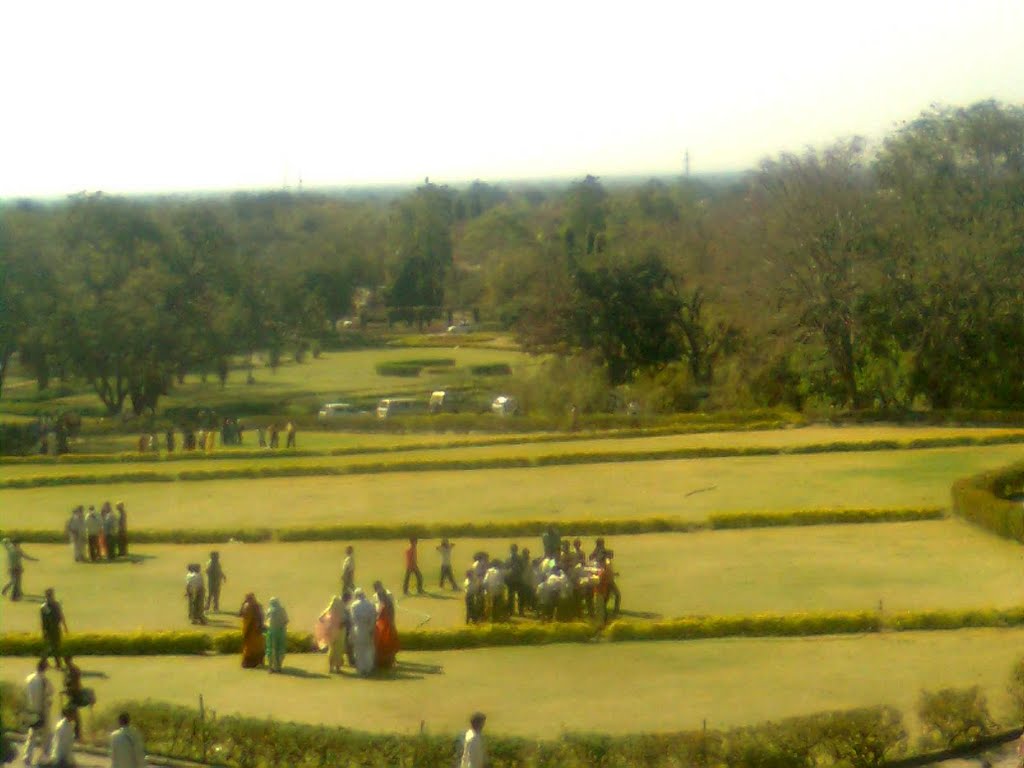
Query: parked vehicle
[(331, 411), (395, 406), (446, 401), (505, 405)]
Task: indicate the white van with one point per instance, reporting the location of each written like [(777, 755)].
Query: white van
[(331, 411), (395, 406)]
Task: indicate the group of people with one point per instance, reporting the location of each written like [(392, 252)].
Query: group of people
[(98, 536), (352, 630), (561, 585), (204, 595), (56, 744)]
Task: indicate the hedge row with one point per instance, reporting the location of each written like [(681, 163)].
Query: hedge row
[(529, 633), (987, 501), (860, 738), (504, 462), (501, 529)]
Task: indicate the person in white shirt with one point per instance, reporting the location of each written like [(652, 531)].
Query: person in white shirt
[(126, 747), (494, 592), (364, 618), (38, 701), (473, 753), (445, 548), (63, 743)]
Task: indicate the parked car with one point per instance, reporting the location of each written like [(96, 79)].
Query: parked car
[(505, 405), (446, 401), (331, 411), (395, 406)]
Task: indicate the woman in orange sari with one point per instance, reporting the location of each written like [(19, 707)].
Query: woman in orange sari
[(385, 636), (253, 644)]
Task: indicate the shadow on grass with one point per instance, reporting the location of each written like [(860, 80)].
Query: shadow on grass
[(638, 615), (296, 672), (453, 595)]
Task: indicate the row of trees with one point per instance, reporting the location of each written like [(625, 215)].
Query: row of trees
[(851, 276)]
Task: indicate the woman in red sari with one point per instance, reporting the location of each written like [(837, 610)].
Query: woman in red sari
[(385, 636), (253, 643)]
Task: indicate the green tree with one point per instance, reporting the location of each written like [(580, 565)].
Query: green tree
[(422, 232)]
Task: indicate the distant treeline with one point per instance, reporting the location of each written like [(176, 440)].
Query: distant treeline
[(887, 277)]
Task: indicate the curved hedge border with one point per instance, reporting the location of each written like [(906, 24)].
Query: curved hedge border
[(505, 462), (590, 527), (520, 634), (982, 499)]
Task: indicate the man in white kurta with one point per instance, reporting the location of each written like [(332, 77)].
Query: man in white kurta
[(126, 748), (364, 619), (473, 753), (38, 701), (62, 746)]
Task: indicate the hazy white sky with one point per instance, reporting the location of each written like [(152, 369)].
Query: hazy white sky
[(158, 96)]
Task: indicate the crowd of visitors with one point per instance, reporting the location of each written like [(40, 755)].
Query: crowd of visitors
[(97, 537), (56, 743)]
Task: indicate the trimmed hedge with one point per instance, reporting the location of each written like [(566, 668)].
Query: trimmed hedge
[(491, 369), (533, 633), (985, 501), (859, 738), (762, 625), (441, 465), (821, 517), (591, 527)]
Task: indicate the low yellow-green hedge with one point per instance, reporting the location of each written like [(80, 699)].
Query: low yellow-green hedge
[(985, 501), (535, 633), (268, 470), (500, 529)]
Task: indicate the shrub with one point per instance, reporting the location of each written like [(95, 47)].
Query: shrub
[(984, 500), (111, 644), (953, 717), (18, 439), (864, 738), (491, 369)]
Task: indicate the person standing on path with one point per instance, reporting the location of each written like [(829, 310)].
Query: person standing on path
[(51, 616), (126, 747), (122, 529), (111, 533), (214, 578), (363, 619), (474, 755), (445, 549), (38, 702), (277, 634), (62, 745), (412, 568), (76, 534), (348, 571), (93, 529)]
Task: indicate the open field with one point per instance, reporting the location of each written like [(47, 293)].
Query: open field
[(611, 688), (687, 489), (452, 447), (931, 565)]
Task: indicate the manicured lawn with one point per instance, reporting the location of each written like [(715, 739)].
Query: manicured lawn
[(687, 489), (541, 692), (334, 376), (905, 566)]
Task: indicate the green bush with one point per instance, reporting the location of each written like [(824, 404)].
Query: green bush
[(954, 717), (938, 620), (821, 517), (240, 742), (985, 501), (864, 738), (760, 625), (1016, 690), (491, 369), (111, 644), (17, 439)]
